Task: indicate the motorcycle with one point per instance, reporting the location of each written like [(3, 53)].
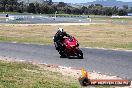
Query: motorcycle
[(70, 47)]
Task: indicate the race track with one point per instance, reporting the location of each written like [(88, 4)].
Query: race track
[(117, 63), (40, 19)]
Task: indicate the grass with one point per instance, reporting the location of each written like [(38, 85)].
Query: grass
[(16, 13), (94, 35), (25, 75), (108, 19), (28, 75)]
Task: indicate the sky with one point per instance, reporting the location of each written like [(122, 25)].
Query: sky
[(82, 1)]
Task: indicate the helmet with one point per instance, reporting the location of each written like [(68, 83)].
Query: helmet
[(61, 30)]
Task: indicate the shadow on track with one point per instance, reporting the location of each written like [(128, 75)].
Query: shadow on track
[(70, 57)]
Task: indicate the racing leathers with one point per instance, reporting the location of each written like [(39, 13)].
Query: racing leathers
[(58, 38)]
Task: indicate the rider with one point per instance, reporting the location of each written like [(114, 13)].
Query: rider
[(58, 38)]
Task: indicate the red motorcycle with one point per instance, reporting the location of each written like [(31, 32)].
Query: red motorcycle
[(71, 48)]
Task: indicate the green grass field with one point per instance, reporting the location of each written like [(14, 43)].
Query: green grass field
[(26, 75), (95, 35)]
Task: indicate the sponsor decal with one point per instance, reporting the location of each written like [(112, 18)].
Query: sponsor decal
[(85, 81)]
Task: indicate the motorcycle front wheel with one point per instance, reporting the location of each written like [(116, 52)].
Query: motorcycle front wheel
[(62, 54), (80, 54)]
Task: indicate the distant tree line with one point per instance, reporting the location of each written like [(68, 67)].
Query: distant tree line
[(61, 8)]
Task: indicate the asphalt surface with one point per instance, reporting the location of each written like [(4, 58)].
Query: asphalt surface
[(39, 19), (117, 63), (45, 19)]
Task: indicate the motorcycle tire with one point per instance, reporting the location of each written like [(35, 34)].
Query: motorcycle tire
[(80, 54), (62, 54), (56, 47)]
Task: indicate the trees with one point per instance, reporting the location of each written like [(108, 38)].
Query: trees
[(122, 12), (37, 8), (76, 11), (125, 7), (61, 4), (8, 5), (130, 10), (31, 8), (108, 11), (20, 7), (114, 10), (84, 10), (61, 7), (3, 3), (50, 2)]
